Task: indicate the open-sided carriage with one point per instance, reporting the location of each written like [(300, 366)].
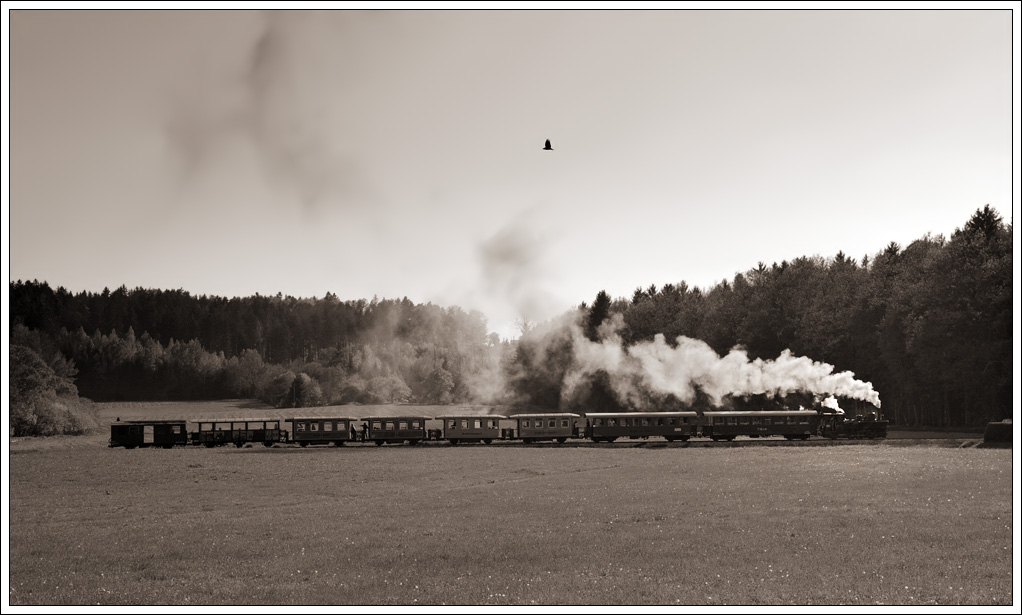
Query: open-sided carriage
[(239, 432)]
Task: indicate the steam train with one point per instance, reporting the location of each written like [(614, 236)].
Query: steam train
[(557, 427)]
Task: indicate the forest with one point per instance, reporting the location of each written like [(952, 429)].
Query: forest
[(928, 325)]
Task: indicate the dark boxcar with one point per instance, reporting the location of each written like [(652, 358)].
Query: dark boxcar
[(395, 429), (323, 430), (792, 424), (556, 426), (220, 432), (459, 428), (165, 433), (607, 427)]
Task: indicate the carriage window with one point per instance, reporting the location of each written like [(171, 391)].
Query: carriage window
[(744, 420), (612, 422), (205, 426), (659, 422), (464, 423), (299, 426), (328, 426), (492, 423), (402, 425), (478, 423), (175, 428), (377, 425), (564, 422), (645, 422), (804, 420), (313, 426), (552, 423), (452, 424), (416, 425), (389, 425), (525, 422)]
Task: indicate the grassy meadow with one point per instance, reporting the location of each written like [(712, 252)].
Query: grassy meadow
[(861, 524)]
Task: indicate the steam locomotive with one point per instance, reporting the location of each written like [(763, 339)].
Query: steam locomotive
[(557, 427)]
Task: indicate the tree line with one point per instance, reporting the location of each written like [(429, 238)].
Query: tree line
[(929, 324)]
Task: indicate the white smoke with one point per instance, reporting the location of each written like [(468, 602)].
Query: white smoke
[(831, 402), (692, 365)]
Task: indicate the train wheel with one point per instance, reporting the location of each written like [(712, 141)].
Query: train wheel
[(379, 443), (239, 444), (267, 444), (338, 442), (412, 442), (304, 444), (487, 441), (454, 441), (561, 440)]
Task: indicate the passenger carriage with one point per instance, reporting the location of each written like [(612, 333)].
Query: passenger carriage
[(144, 433), (323, 430), (477, 428), (609, 426), (792, 424), (396, 429), (557, 426), (221, 432)]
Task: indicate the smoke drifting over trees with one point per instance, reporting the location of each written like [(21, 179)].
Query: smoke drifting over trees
[(926, 328), (648, 370)]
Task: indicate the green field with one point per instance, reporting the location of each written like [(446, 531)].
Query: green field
[(825, 525)]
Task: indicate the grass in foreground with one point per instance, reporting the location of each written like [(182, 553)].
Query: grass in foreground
[(511, 525)]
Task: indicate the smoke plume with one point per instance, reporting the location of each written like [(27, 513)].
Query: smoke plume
[(287, 97), (652, 369), (515, 277)]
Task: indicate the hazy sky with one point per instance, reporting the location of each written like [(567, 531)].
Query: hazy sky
[(400, 153)]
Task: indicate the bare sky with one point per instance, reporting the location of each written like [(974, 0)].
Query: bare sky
[(400, 153)]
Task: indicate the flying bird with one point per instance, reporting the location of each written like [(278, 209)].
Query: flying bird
[(547, 146)]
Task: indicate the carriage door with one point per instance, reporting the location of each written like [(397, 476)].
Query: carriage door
[(147, 434)]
